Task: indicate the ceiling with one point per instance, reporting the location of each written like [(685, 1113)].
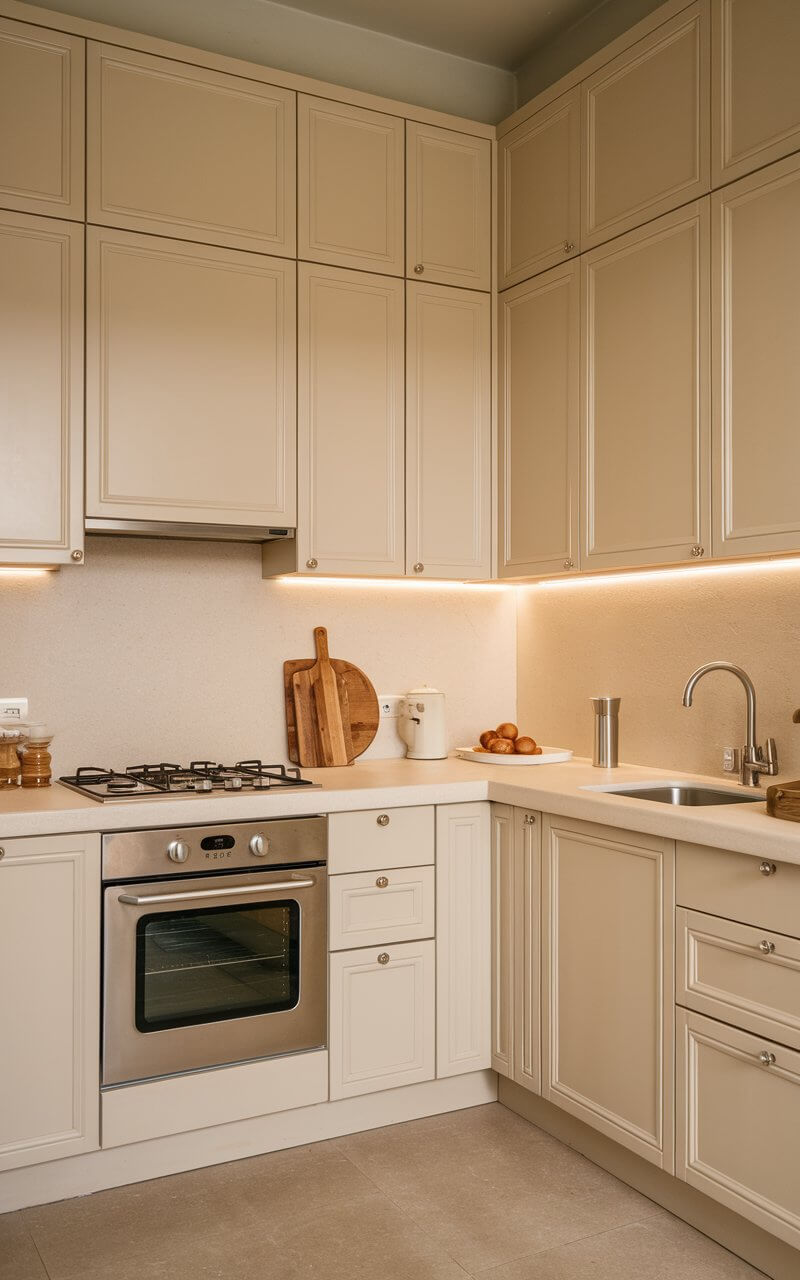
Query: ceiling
[(498, 32)]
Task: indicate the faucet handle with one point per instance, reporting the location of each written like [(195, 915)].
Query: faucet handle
[(772, 756)]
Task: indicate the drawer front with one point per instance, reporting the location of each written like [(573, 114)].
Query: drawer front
[(739, 1122), (370, 909), (379, 839), (753, 888), (741, 974)]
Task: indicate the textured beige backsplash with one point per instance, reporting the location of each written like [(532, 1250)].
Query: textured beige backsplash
[(641, 639), (173, 650)]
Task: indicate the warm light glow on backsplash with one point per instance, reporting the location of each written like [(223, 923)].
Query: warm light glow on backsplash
[(669, 574), (395, 584)]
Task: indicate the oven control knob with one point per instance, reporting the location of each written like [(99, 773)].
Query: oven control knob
[(178, 850), (259, 846)]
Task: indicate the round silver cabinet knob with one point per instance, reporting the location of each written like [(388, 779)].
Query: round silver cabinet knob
[(569, 564), (765, 1056), (767, 868), (383, 958), (766, 947), (698, 551), (568, 246), (76, 555), (178, 850), (382, 819), (418, 567), (381, 882), (259, 846), (312, 563), (2, 852), (418, 270)]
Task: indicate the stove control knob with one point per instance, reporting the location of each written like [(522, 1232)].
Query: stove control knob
[(178, 850), (259, 846)]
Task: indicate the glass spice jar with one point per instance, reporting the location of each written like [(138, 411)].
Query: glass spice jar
[(10, 740)]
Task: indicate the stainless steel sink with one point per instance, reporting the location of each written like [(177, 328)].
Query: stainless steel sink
[(683, 793)]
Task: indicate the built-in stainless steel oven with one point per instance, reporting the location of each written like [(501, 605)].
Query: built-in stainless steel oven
[(215, 946)]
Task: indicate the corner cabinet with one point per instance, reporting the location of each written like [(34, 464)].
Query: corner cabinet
[(41, 390), (50, 1000), (463, 938), (608, 1012), (516, 945), (539, 363), (181, 427), (448, 432)]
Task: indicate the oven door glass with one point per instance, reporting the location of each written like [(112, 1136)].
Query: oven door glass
[(197, 966)]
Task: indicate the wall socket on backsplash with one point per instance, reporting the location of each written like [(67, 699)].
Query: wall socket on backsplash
[(389, 704), (387, 744), (13, 709)]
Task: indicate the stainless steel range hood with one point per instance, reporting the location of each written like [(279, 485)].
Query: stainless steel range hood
[(195, 532)]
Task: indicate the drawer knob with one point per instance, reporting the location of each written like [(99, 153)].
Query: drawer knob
[(383, 958), (382, 882), (382, 819), (766, 947), (767, 868), (765, 1056), (312, 563)]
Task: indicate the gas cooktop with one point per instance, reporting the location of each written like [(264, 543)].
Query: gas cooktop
[(201, 777)]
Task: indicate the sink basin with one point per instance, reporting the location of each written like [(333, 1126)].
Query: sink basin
[(683, 793)]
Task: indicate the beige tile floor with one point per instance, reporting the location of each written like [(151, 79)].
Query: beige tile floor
[(477, 1193)]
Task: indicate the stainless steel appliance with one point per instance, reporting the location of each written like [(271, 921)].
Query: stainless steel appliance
[(215, 945), (605, 753), (201, 777)]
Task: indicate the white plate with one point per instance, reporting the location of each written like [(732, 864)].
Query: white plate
[(550, 755)]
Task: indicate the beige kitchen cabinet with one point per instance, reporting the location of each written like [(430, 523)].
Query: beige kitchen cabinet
[(645, 125), (607, 991), (645, 392), (49, 998), (738, 1105), (350, 186), (350, 438), (41, 390), (382, 1017), (41, 120), (539, 368), (190, 383), (448, 432), (374, 839), (463, 938), (366, 907), (449, 206), (178, 150), (502, 850), (756, 375), (538, 196), (755, 104)]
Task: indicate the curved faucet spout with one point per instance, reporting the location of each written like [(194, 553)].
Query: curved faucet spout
[(748, 688)]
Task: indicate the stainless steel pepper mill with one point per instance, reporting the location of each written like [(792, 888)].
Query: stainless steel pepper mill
[(606, 733)]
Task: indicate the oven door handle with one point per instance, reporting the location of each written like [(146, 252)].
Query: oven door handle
[(236, 891)]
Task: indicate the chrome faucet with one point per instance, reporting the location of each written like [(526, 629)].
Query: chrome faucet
[(754, 762)]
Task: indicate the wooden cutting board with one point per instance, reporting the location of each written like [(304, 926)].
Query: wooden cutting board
[(360, 716)]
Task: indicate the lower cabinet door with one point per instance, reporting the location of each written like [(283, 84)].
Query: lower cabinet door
[(382, 1018), (527, 949), (49, 998), (608, 1004), (739, 1122)]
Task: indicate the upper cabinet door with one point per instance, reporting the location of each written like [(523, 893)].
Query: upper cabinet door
[(539, 191), (350, 185), (449, 214), (756, 290), (448, 433), (41, 389), (755, 84), (646, 394), (41, 120), (646, 129), (182, 425), (539, 424), (181, 151), (350, 422)]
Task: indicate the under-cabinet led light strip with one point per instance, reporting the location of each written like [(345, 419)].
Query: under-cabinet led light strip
[(668, 574)]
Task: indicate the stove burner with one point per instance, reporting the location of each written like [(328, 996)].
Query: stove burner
[(202, 777)]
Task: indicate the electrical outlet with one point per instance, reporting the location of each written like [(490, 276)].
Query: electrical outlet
[(389, 704), (13, 708)]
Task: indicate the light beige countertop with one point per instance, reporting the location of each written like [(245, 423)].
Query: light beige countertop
[(373, 784)]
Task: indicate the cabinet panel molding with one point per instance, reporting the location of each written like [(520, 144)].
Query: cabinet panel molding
[(41, 373), (527, 949), (350, 183), (448, 432), (645, 391), (42, 109), (180, 427), (448, 194), (502, 844), (645, 127), (539, 366)]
